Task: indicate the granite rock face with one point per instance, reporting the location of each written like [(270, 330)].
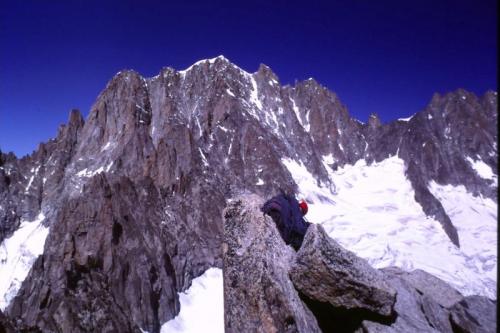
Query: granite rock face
[(114, 261), (258, 293), (144, 179)]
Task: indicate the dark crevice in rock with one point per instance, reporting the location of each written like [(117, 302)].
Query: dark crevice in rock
[(425, 314), (45, 301), (154, 298), (117, 232), (456, 328), (169, 268), (340, 320), (125, 272), (74, 275)]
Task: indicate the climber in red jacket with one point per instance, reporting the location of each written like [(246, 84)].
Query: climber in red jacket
[(288, 214)]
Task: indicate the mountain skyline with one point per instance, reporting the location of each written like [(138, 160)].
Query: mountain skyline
[(211, 60), (388, 59)]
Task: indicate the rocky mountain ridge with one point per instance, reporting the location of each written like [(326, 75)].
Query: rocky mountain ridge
[(134, 194)]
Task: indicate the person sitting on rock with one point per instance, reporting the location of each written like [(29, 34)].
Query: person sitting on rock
[(288, 214)]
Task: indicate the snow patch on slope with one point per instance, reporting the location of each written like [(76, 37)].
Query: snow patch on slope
[(297, 112), (202, 306), (17, 254), (374, 214), (308, 185), (328, 160), (88, 173), (254, 94), (482, 169)]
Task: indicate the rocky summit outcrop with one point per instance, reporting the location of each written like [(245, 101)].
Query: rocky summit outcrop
[(134, 194), (324, 287)]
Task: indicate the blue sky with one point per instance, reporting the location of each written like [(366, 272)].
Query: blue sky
[(387, 57)]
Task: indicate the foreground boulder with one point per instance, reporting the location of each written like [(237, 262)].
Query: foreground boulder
[(474, 314), (417, 312), (328, 273), (425, 283), (425, 303), (258, 294)]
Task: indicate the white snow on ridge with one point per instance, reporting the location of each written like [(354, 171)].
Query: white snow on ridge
[(17, 254), (297, 113), (307, 125), (406, 119), (254, 94), (29, 184), (202, 306), (328, 159), (108, 146), (203, 158), (199, 62), (88, 173), (482, 169), (374, 214)]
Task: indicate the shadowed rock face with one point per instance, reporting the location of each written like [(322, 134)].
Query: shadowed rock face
[(171, 150), (116, 249)]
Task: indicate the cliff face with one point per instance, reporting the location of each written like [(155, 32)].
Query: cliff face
[(324, 287), (134, 194)]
